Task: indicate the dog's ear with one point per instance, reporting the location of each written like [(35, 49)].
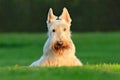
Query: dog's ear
[(65, 16), (51, 17)]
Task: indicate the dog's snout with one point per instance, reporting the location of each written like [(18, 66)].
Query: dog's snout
[(60, 43)]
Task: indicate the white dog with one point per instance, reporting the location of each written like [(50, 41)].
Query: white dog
[(59, 49)]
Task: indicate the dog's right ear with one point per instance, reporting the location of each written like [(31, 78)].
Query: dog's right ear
[(51, 17), (66, 16)]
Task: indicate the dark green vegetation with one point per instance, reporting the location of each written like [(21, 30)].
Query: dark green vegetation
[(99, 52), (87, 15)]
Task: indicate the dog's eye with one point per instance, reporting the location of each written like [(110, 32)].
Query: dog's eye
[(53, 30), (64, 29)]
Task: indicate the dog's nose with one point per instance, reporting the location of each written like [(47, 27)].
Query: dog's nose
[(60, 43)]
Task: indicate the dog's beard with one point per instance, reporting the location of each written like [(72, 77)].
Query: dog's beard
[(60, 49)]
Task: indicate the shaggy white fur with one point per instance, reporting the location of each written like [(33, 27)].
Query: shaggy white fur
[(59, 49)]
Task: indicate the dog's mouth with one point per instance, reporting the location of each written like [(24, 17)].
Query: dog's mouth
[(59, 47)]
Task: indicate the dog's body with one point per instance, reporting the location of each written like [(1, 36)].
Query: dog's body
[(59, 49)]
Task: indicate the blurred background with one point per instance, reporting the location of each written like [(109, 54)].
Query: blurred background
[(87, 15), (95, 27)]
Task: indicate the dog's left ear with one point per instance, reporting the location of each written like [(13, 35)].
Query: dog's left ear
[(51, 17), (65, 16)]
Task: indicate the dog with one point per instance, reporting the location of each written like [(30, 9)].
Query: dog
[(59, 49)]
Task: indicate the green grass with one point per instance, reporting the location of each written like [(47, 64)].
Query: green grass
[(99, 52)]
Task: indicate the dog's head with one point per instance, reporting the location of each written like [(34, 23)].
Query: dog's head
[(59, 30), (58, 26)]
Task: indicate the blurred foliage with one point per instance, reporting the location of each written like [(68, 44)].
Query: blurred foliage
[(87, 15)]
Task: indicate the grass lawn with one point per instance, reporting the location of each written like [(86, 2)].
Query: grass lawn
[(99, 52)]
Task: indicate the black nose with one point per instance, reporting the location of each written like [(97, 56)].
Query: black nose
[(60, 43)]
